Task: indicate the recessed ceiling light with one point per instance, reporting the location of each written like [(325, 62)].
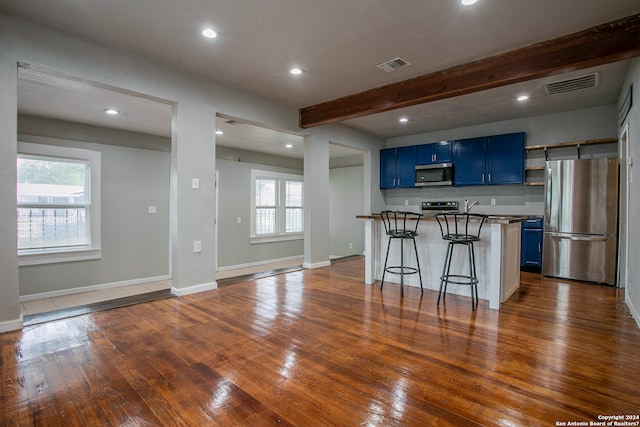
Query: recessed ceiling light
[(209, 33), (296, 71), (522, 98), (289, 146), (403, 120), (219, 132), (111, 111), (468, 2)]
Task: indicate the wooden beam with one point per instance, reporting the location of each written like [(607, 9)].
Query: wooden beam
[(606, 43)]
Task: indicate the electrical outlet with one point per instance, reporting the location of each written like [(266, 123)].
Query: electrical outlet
[(350, 245), (197, 246), (493, 202), (195, 183)]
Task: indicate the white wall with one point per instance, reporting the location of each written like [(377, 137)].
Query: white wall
[(195, 103), (632, 291), (591, 123)]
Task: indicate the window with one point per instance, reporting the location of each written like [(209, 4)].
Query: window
[(276, 205), (57, 204)]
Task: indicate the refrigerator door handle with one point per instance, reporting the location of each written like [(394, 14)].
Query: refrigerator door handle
[(548, 188), (580, 238)]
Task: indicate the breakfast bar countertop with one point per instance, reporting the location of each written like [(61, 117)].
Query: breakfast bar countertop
[(495, 219)]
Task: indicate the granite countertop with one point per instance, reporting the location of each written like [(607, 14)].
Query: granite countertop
[(494, 219)]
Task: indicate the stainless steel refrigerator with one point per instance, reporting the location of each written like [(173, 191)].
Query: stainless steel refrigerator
[(581, 220)]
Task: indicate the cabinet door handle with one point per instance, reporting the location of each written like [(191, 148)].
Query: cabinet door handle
[(489, 177), (433, 157), (539, 248), (483, 178)]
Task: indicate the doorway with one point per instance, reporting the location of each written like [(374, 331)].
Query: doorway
[(62, 112)]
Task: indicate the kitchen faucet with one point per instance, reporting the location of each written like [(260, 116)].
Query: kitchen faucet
[(467, 206)]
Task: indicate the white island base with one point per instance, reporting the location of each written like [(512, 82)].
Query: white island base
[(497, 258)]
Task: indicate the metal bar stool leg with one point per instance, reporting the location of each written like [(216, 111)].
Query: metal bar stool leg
[(384, 270), (475, 276), (402, 267), (418, 263), (445, 271), (471, 275)]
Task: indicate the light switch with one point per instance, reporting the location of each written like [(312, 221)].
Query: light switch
[(197, 246), (195, 183), (152, 209), (239, 220)]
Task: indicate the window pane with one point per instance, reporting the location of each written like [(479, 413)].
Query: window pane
[(295, 220), (265, 221), (294, 194), (52, 228), (265, 192), (43, 181)]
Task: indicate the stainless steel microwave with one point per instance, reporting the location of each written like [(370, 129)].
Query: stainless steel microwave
[(434, 175)]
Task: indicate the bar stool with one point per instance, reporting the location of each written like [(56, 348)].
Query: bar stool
[(460, 229), (403, 226)]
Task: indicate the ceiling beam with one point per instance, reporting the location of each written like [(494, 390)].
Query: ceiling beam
[(595, 46)]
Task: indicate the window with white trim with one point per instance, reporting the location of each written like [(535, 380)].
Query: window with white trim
[(276, 206), (58, 193)]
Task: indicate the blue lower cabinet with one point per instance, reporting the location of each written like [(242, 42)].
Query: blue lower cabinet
[(531, 244)]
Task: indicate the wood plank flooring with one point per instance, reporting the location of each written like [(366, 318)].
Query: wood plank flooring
[(321, 348)]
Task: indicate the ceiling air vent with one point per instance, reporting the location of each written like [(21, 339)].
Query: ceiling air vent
[(394, 64), (585, 82)]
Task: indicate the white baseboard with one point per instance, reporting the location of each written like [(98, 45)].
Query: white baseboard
[(258, 263), (72, 291), (11, 325), (632, 309), (316, 264), (203, 287)]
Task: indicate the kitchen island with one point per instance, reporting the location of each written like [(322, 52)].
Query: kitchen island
[(497, 257)]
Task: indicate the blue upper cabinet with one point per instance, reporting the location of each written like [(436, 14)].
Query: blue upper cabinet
[(505, 158), (438, 152), (489, 160), (398, 167), (388, 168), (469, 161)]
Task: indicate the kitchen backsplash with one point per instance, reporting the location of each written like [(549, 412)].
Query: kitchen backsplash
[(508, 199)]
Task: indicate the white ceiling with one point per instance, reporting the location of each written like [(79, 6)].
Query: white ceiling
[(337, 42)]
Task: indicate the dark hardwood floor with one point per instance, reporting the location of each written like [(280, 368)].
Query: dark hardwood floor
[(320, 348)]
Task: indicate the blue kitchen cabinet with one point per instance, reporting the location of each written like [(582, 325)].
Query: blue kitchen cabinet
[(469, 161), (398, 167), (531, 244), (489, 160), (505, 159), (388, 168), (437, 152)]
